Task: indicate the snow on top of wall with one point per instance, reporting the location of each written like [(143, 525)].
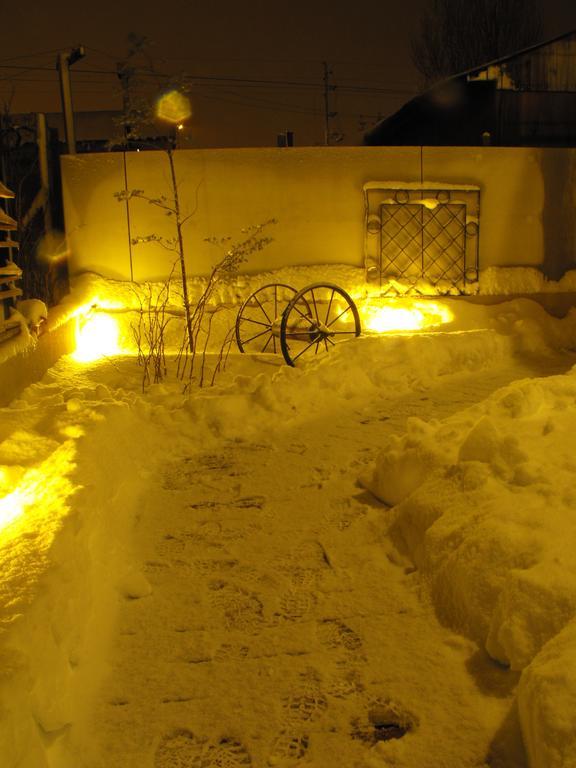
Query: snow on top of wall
[(507, 281), (419, 185)]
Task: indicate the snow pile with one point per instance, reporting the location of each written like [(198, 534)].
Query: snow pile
[(35, 312), (547, 702), (486, 508), (31, 316), (64, 555), (397, 365)]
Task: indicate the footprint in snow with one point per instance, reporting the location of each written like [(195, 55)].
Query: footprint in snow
[(335, 634), (242, 610), (231, 652), (305, 707), (384, 720), (296, 604), (288, 749), (228, 753), (178, 749)]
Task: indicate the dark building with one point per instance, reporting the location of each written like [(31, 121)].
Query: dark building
[(525, 99)]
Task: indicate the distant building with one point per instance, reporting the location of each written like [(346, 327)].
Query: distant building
[(525, 99), (96, 131)]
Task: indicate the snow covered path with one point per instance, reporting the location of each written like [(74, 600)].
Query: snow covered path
[(282, 627)]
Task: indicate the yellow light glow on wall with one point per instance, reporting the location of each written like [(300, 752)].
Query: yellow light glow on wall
[(173, 107), (96, 336), (403, 315)]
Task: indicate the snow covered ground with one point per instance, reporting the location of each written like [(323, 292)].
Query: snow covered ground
[(363, 561)]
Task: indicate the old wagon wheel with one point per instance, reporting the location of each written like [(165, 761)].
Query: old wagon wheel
[(258, 319), (316, 319)]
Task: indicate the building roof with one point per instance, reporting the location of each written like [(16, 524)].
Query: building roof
[(422, 106)]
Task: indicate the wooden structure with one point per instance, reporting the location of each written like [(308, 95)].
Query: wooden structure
[(527, 98), (10, 272)]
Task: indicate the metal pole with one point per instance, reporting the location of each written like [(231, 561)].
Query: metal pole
[(63, 64), (326, 104)]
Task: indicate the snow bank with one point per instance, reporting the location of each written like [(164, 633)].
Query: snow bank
[(396, 365), (65, 529), (486, 509), (547, 702)]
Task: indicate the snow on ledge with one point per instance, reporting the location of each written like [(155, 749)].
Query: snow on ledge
[(508, 281)]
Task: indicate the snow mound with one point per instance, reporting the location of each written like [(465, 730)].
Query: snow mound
[(485, 505), (547, 702), (486, 509)]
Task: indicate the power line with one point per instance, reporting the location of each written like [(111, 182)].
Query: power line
[(227, 79), (30, 55)]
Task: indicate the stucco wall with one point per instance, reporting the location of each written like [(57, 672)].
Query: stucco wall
[(315, 194)]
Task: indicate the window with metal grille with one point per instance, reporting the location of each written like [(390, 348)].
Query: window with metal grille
[(422, 237)]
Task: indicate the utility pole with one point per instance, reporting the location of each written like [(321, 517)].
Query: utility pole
[(63, 63), (327, 113)]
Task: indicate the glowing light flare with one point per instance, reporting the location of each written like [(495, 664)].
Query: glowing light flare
[(11, 507), (38, 502), (404, 315), (173, 107), (97, 336)]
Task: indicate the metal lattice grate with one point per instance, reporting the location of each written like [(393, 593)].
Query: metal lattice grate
[(419, 234), (417, 242), (444, 243)]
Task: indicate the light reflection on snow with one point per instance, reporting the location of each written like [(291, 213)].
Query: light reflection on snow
[(39, 495), (382, 315)]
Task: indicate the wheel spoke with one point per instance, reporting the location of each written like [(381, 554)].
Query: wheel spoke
[(348, 308), (342, 333), (315, 306), (306, 317), (268, 342), (256, 322), (263, 310), (247, 341), (329, 307), (302, 351)]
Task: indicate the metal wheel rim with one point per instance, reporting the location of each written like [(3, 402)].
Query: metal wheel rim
[(266, 325), (327, 341)]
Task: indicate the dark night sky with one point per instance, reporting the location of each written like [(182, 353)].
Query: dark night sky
[(367, 46)]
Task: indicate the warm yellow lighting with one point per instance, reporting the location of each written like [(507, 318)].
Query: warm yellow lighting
[(11, 507), (38, 501), (96, 336), (403, 315), (180, 126), (173, 107)]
